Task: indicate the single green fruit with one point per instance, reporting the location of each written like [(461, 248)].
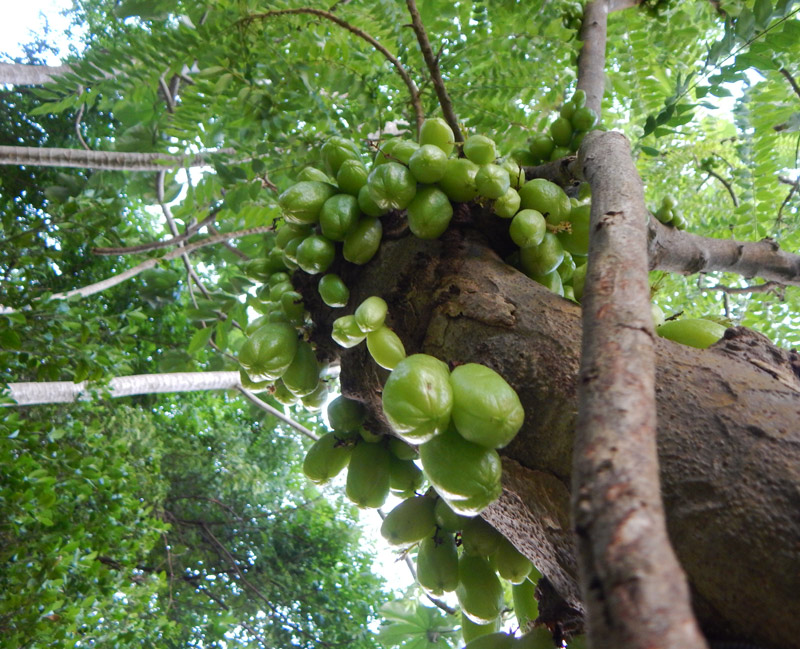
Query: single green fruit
[(578, 642), (352, 176), (544, 258), (411, 521), (371, 313), (338, 216), (385, 347), (417, 398), (437, 564), (545, 197), (576, 241), (429, 213), (516, 174), (577, 141), (492, 181), (255, 386), (510, 563), (367, 205), (391, 186), (293, 308), (552, 281), (569, 292), (267, 354), (345, 415), (566, 268), (290, 253), (346, 332), (275, 257), (447, 519), (498, 640), (315, 254), (428, 164), (333, 290), (578, 280), (277, 291), (658, 315), (368, 475), (486, 409), (541, 146), (480, 149), (567, 110), (258, 269), (282, 395), (279, 278), (336, 150), (363, 241), (527, 228), (405, 476), (437, 132), (465, 474), (326, 457), (289, 231), (302, 202), (579, 98), (538, 638), (526, 608), (302, 376), (470, 630), (479, 538), (507, 205), (560, 152), (694, 332), (368, 436), (524, 158), (561, 131), (401, 450), (479, 591), (583, 119), (458, 181), (396, 150), (312, 173), (317, 398)]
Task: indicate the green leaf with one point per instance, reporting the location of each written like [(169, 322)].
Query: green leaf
[(650, 151), (763, 12), (199, 340)]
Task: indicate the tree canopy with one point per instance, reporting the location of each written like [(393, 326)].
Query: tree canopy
[(146, 228)]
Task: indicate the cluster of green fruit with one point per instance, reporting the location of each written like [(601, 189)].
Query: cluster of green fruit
[(565, 133), (669, 213)]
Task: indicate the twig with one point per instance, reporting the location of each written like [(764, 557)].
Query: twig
[(727, 185), (791, 80), (433, 68), (327, 15), (168, 98), (171, 572), (233, 249), (78, 119), (795, 186), (277, 413), (766, 287)]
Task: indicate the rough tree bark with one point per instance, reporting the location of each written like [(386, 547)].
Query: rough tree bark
[(728, 439), (19, 74)]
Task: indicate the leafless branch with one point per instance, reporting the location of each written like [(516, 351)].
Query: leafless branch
[(766, 287), (792, 81), (726, 184), (169, 99), (277, 413), (233, 249), (78, 119), (433, 68)]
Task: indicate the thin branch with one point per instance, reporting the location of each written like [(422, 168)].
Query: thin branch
[(277, 413), (327, 15), (791, 80), (233, 249), (78, 119), (795, 186), (766, 287), (433, 68), (168, 98), (726, 184), (592, 59)]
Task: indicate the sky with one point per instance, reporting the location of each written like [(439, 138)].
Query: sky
[(20, 19)]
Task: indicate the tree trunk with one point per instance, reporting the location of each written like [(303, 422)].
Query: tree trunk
[(728, 439), (113, 160), (19, 74)]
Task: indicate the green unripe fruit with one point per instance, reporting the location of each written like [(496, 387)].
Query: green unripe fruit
[(516, 174), (336, 150), (417, 398), (302, 202), (658, 315), (363, 241), (545, 197), (498, 640), (583, 119), (577, 140), (401, 450), (290, 252), (694, 332), (492, 181), (479, 538), (371, 313), (479, 591), (279, 278), (368, 475), (345, 415), (561, 131), (317, 398), (302, 376), (282, 395), (526, 608), (447, 519), (510, 563), (289, 231), (385, 347), (538, 638), (465, 474), (541, 146), (315, 254), (669, 202), (578, 280), (470, 630), (333, 290), (458, 181), (258, 269), (352, 176), (327, 457), (437, 132), (411, 521), (480, 149), (293, 308), (544, 258), (523, 157), (507, 205), (367, 205), (338, 216), (267, 353), (277, 291), (396, 150), (428, 164), (486, 409), (566, 268), (560, 152), (391, 186), (429, 213), (312, 173), (552, 281), (346, 332), (437, 564), (255, 386), (527, 228), (567, 110), (579, 98), (405, 477)]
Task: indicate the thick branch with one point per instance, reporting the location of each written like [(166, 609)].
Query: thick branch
[(433, 68), (114, 160), (18, 74), (592, 60), (635, 591), (678, 251), (327, 15)]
